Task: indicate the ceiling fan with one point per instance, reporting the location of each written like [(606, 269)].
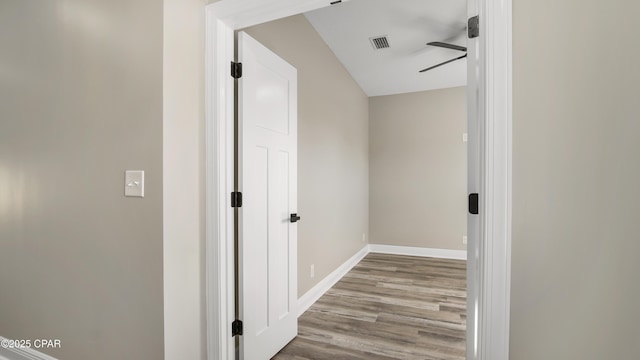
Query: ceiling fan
[(446, 46)]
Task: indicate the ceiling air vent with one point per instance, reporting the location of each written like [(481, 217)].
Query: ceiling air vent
[(379, 42)]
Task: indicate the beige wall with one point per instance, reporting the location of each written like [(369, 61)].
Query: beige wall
[(80, 103), (183, 174), (81, 263), (417, 169), (333, 183), (576, 204)]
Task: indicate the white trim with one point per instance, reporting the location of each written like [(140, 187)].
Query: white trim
[(496, 182), (21, 353), (495, 192), (311, 296), (418, 251), (219, 135), (239, 14)]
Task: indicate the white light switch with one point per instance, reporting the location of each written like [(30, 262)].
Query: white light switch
[(464, 137), (134, 183)]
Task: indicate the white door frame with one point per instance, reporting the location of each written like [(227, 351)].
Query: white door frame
[(494, 268)]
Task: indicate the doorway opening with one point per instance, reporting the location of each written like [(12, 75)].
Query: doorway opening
[(382, 169), (489, 334)]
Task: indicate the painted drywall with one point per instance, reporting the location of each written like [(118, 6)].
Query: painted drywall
[(80, 103), (333, 182), (576, 205), (183, 175), (417, 169)]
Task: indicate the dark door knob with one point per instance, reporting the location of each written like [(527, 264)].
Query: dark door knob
[(295, 218)]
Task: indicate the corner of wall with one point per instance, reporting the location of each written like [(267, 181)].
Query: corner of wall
[(183, 153)]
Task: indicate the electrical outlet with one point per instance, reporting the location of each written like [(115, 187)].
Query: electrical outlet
[(464, 240), (364, 237), (312, 272), (464, 137)]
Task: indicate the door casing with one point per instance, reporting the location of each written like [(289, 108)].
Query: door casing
[(492, 248)]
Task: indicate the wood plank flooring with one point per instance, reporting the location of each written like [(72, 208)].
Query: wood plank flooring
[(387, 307)]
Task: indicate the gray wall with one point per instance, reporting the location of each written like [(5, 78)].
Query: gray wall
[(417, 169), (576, 204), (81, 102), (333, 184)]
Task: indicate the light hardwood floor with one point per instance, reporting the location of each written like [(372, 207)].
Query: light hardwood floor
[(387, 307)]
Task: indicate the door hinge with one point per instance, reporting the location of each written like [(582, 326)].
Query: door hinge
[(236, 199), (236, 328), (236, 70), (473, 27), (473, 203)]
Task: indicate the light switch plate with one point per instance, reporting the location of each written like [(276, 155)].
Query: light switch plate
[(134, 183), (464, 137)]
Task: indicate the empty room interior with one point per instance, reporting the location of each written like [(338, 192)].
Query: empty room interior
[(381, 178)]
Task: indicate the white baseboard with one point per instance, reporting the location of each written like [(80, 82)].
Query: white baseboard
[(21, 353), (325, 284), (418, 251)]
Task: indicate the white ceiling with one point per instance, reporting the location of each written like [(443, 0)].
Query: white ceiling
[(409, 25)]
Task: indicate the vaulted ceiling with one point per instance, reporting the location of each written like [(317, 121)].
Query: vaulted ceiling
[(408, 25)]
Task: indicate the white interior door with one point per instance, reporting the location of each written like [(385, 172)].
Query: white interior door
[(267, 143)]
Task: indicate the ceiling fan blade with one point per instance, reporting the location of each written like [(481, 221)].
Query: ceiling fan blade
[(447, 46), (444, 63)]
